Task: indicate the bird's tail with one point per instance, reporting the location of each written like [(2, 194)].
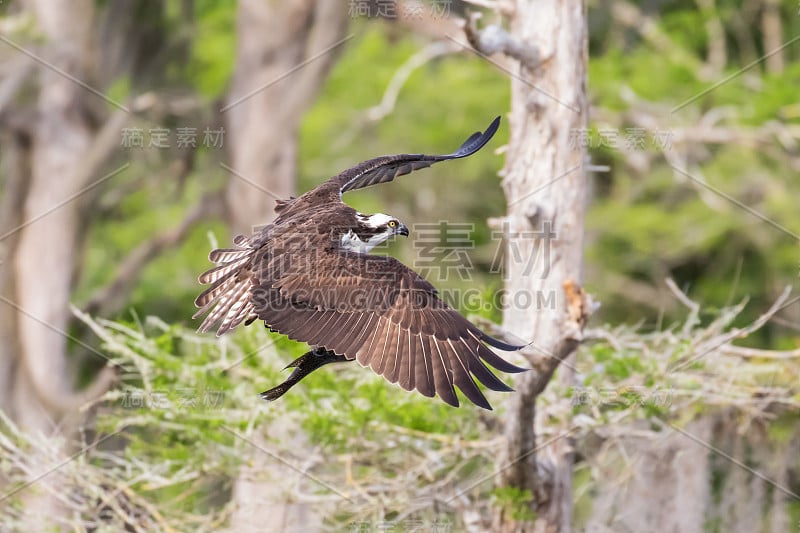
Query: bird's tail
[(228, 297)]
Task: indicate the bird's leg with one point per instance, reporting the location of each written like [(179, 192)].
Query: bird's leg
[(303, 366)]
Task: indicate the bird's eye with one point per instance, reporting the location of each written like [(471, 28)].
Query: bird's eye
[(392, 223)]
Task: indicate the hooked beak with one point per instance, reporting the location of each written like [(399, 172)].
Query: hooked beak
[(402, 230)]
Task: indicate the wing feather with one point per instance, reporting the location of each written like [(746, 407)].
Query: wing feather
[(388, 348), (360, 336), (221, 272), (461, 376), (236, 296), (423, 378), (355, 327), (442, 374), (402, 331), (318, 330), (227, 300), (394, 362), (479, 370), (405, 377), (364, 355), (496, 361), (386, 168), (297, 325), (378, 360)]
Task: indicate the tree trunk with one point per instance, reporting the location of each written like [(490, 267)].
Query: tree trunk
[(284, 54), (52, 166), (41, 234), (545, 185)]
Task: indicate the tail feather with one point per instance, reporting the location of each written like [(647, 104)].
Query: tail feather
[(226, 255), (227, 300), (219, 272), (239, 302)]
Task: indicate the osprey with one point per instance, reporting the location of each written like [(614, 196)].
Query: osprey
[(309, 275)]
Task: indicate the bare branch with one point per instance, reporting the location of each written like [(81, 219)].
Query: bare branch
[(680, 295), (430, 52), (111, 297), (494, 39), (498, 6), (435, 27), (756, 352)]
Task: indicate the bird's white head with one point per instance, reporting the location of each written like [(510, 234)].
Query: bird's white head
[(370, 231)]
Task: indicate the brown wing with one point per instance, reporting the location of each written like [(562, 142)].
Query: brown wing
[(229, 300), (386, 168), (378, 311), (379, 170)]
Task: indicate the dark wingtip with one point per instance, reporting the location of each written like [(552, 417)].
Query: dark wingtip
[(274, 393), (500, 345), (486, 406), (452, 402), (269, 396), (499, 388), (478, 140)]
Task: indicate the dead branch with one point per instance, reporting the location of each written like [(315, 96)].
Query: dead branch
[(400, 77), (579, 307), (693, 306), (495, 39), (498, 6), (110, 298), (435, 27), (631, 16), (766, 316), (757, 352)]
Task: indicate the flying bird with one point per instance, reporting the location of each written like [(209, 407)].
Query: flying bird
[(310, 276)]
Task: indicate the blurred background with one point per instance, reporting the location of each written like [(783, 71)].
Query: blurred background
[(136, 135)]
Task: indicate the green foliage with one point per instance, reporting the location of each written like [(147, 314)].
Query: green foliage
[(515, 503), (649, 222), (213, 46), (187, 409), (120, 90)]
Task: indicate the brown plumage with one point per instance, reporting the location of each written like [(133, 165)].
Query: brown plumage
[(309, 275)]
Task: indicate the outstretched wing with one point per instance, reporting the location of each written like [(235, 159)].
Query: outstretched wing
[(378, 311), (386, 168)]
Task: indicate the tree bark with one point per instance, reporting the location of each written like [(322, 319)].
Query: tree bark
[(284, 53), (545, 188), (41, 234), (44, 258), (52, 166)]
